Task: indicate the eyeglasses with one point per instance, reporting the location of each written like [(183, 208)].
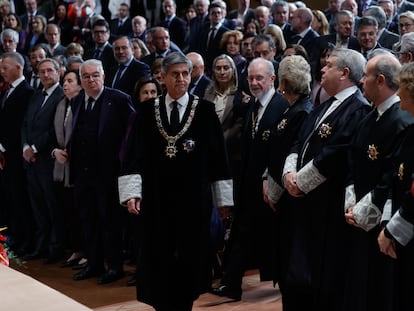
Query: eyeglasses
[(406, 25), (94, 76), (100, 32)]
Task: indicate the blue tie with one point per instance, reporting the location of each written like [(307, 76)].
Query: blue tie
[(121, 69), (89, 107)]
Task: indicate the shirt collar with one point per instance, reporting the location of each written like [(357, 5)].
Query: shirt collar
[(386, 104), (50, 90), (182, 101)]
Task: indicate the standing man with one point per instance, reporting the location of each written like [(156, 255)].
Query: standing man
[(366, 204), (103, 49), (101, 118), (122, 24), (53, 39), (210, 37), (301, 25), (176, 26), (199, 81), (175, 158), (250, 241), (162, 44), (13, 184), (314, 175), (367, 35), (124, 76), (38, 140), (38, 53)]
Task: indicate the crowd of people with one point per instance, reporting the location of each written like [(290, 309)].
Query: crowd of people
[(197, 143)]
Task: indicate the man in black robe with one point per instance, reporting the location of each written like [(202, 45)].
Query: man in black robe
[(175, 169), (314, 175)]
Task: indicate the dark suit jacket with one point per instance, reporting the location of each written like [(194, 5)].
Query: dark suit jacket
[(405, 6), (116, 115), (177, 29), (27, 46), (24, 18), (149, 59), (135, 70), (308, 41), (388, 39), (201, 86), (214, 51), (11, 121), (38, 127), (250, 14), (124, 30), (59, 50), (197, 26), (107, 56)]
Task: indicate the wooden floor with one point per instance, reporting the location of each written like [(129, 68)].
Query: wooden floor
[(257, 296)]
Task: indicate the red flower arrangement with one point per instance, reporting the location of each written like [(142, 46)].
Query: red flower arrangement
[(4, 258)]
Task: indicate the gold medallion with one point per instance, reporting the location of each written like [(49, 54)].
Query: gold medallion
[(401, 171), (266, 135), (372, 152), (171, 150), (324, 130)]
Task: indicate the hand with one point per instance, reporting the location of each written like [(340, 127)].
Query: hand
[(224, 212), (61, 155), (29, 155), (349, 216), (386, 245), (2, 161), (291, 186), (264, 191), (134, 206)]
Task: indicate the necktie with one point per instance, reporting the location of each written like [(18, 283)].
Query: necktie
[(120, 23), (89, 106), (97, 54), (118, 76), (174, 118), (6, 95), (211, 38), (41, 102), (29, 23), (35, 80)]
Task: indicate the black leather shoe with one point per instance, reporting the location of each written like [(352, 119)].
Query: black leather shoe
[(70, 263), (80, 266), (132, 282), (111, 276), (86, 273), (225, 291)]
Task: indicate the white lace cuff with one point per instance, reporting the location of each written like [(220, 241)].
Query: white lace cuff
[(223, 193), (290, 163), (367, 215), (274, 190), (401, 229), (309, 178), (130, 187), (350, 197)]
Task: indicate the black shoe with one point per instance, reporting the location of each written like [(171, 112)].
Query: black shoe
[(132, 282), (80, 266), (225, 291), (86, 273), (111, 276), (70, 263)]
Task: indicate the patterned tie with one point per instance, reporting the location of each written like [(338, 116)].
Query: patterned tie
[(97, 54), (174, 118)]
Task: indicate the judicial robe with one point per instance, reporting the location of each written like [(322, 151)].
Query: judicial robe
[(318, 251), (177, 192), (371, 155)]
